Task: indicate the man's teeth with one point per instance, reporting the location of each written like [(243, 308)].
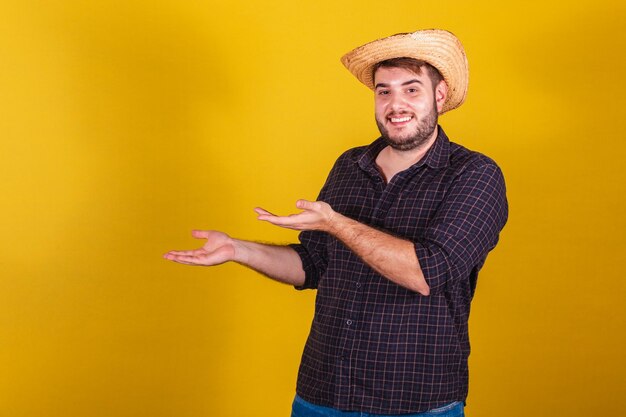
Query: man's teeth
[(400, 119)]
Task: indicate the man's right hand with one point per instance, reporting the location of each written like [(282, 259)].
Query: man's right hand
[(219, 248), (279, 262)]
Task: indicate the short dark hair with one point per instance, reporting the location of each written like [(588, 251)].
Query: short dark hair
[(411, 64)]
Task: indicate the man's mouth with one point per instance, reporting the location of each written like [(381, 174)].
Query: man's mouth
[(399, 119)]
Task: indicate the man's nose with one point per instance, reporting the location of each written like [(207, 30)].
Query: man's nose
[(397, 102)]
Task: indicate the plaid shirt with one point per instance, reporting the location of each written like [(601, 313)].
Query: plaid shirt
[(375, 346)]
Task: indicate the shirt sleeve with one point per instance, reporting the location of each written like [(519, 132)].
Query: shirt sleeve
[(312, 251), (465, 228)]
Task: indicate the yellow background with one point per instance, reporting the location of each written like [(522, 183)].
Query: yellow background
[(125, 124)]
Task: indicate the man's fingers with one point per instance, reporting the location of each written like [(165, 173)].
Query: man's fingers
[(185, 252), (200, 234), (182, 259), (262, 211), (200, 257), (305, 204), (175, 256), (279, 221), (293, 221)]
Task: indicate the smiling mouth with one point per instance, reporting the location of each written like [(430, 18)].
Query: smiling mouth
[(399, 120)]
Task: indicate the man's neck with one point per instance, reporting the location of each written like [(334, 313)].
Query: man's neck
[(391, 161)]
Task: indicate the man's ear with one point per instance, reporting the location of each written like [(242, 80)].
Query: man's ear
[(441, 93)]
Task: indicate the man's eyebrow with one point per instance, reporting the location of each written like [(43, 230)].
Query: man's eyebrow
[(414, 80)]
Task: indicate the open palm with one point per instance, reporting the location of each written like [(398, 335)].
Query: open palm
[(217, 250)]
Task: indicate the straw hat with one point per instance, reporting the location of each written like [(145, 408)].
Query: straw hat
[(439, 48)]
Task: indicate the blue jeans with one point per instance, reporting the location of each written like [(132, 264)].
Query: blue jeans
[(303, 408)]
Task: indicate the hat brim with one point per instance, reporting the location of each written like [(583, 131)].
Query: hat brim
[(439, 48)]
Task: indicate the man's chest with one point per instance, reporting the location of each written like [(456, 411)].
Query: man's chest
[(403, 206)]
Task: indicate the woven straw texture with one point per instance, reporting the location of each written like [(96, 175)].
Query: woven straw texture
[(439, 48)]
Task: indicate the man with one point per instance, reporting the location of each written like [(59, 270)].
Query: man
[(393, 244)]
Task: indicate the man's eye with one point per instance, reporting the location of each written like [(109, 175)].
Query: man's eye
[(383, 92), (412, 90)]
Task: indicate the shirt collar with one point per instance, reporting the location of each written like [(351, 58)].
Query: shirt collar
[(438, 156)]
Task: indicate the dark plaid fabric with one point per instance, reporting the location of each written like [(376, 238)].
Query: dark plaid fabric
[(375, 346)]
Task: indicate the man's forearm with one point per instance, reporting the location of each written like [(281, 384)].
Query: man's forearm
[(281, 263), (390, 256)]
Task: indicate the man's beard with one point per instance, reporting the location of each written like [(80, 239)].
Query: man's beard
[(422, 134)]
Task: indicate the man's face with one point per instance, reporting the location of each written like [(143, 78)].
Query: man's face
[(406, 107)]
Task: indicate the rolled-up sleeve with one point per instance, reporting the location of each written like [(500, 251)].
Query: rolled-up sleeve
[(312, 251), (465, 227)]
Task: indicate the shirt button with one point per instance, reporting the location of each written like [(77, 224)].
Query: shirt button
[(349, 322), (358, 285)]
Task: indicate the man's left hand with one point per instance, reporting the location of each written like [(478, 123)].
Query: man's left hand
[(316, 215)]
